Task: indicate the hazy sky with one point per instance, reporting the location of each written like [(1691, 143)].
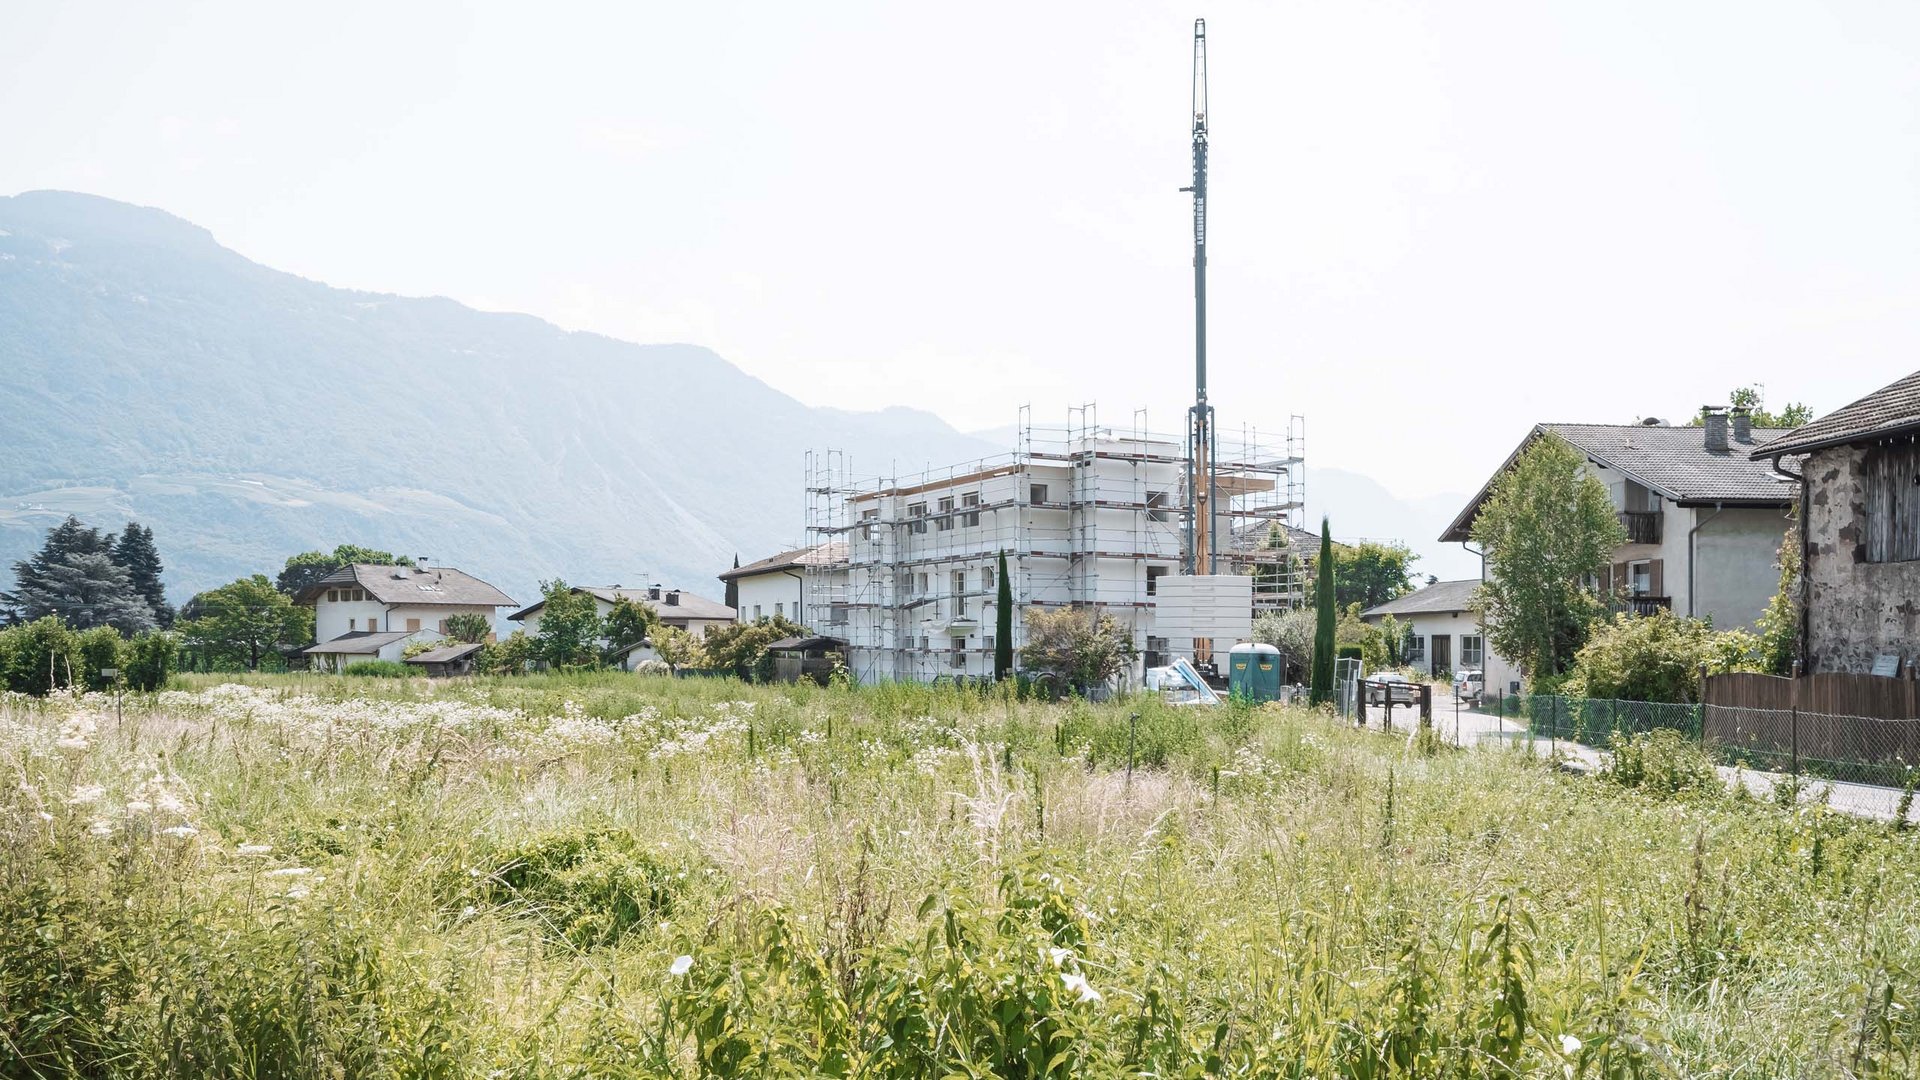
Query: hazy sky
[(1432, 223)]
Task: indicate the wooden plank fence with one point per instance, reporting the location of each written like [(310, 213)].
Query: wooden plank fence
[(1864, 727)]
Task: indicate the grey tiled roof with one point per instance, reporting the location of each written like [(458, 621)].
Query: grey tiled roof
[(819, 555), (1889, 410), (446, 654), (1437, 598), (1672, 461), (411, 585), (360, 641)]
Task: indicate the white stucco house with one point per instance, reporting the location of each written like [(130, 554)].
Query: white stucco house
[(366, 612), (777, 586), (1703, 519), (1446, 632)]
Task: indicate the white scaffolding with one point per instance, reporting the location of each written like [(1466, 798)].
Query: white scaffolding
[(1086, 515)]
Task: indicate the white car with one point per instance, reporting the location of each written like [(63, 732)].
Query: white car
[(1390, 688), (1469, 686)]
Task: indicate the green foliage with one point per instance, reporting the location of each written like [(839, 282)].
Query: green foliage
[(1289, 631), (570, 630), (1545, 527), (100, 647), (1663, 763), (380, 669), (469, 627), (1657, 657), (1753, 399), (415, 648), (244, 622), (509, 656), (75, 577), (136, 553), (742, 647), (41, 656), (586, 887), (150, 660), (1082, 647), (680, 649), (1002, 622), (1370, 573), (629, 621), (308, 567), (1325, 585), (1780, 622)]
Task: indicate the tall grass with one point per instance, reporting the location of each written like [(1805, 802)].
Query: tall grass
[(605, 875)]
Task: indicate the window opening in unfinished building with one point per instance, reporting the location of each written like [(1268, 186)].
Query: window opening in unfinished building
[(1037, 493), (946, 515), (1159, 506), (971, 502), (1154, 574), (918, 512)]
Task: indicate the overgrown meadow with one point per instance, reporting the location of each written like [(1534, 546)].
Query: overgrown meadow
[(619, 876)]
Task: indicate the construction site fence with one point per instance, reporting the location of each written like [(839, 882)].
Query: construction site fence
[(1882, 751)]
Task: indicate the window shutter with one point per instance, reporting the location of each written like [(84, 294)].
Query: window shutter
[(1621, 576), (1656, 578), (1606, 581)]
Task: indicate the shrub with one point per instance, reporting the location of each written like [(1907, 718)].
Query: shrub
[(379, 669), (95, 649), (1656, 658), (41, 656), (652, 667), (1082, 648), (588, 886), (150, 660), (1662, 763)]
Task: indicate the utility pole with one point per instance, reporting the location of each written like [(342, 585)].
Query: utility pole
[(1201, 543)]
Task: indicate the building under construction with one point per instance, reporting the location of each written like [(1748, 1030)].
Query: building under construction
[(1087, 516)]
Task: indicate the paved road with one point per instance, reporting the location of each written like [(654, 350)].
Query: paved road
[(1467, 728)]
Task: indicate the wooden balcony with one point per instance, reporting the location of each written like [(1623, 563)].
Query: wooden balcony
[(1645, 605), (1643, 526)]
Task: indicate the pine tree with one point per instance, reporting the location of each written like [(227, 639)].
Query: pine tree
[(1003, 623), (136, 553), (74, 577), (1320, 690)]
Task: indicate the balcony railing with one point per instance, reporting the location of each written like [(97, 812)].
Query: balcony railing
[(1645, 605), (1643, 526)]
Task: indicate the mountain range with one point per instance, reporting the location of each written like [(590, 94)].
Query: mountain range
[(246, 414)]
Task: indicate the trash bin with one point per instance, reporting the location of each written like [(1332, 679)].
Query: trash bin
[(1253, 671)]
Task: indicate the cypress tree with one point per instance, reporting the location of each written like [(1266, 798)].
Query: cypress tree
[(1320, 689), (733, 586), (1003, 624)]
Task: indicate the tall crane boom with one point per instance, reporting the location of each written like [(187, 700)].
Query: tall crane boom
[(1201, 544)]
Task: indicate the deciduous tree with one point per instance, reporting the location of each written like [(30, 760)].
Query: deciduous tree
[(1546, 527), (244, 622), (630, 621), (469, 627), (1084, 648), (309, 567), (570, 630)]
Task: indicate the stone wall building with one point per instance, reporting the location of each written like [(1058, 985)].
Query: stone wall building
[(1860, 588)]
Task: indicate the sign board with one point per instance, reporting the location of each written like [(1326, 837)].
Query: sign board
[(1887, 664), (109, 672)]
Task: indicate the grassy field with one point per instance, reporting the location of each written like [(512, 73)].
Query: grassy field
[(615, 876)]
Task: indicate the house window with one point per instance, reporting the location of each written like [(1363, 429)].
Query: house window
[(1416, 649), (918, 513), (1154, 574), (957, 653), (756, 612), (1473, 650), (920, 584), (923, 643), (1893, 503), (989, 642), (946, 515), (971, 503), (986, 578), (837, 614), (353, 624), (959, 592), (780, 609), (1157, 506), (867, 518), (1037, 493), (1640, 577), (413, 625), (333, 596)]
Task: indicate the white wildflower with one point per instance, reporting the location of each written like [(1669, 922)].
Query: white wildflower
[(138, 806), (252, 851), (44, 816), (299, 892), (181, 832), (1570, 1045), (86, 795), (681, 965), (290, 871), (100, 828), (1077, 985), (1059, 956)]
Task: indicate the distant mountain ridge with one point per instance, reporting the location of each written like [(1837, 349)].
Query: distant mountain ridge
[(247, 414)]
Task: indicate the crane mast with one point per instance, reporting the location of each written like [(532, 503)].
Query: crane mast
[(1201, 543)]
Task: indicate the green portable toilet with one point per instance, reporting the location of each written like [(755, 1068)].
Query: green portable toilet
[(1253, 671)]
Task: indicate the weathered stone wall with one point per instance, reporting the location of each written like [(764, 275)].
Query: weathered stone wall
[(1856, 610)]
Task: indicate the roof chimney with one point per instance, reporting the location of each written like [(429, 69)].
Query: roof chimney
[(653, 591), (673, 598), (1742, 424), (1714, 418)]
